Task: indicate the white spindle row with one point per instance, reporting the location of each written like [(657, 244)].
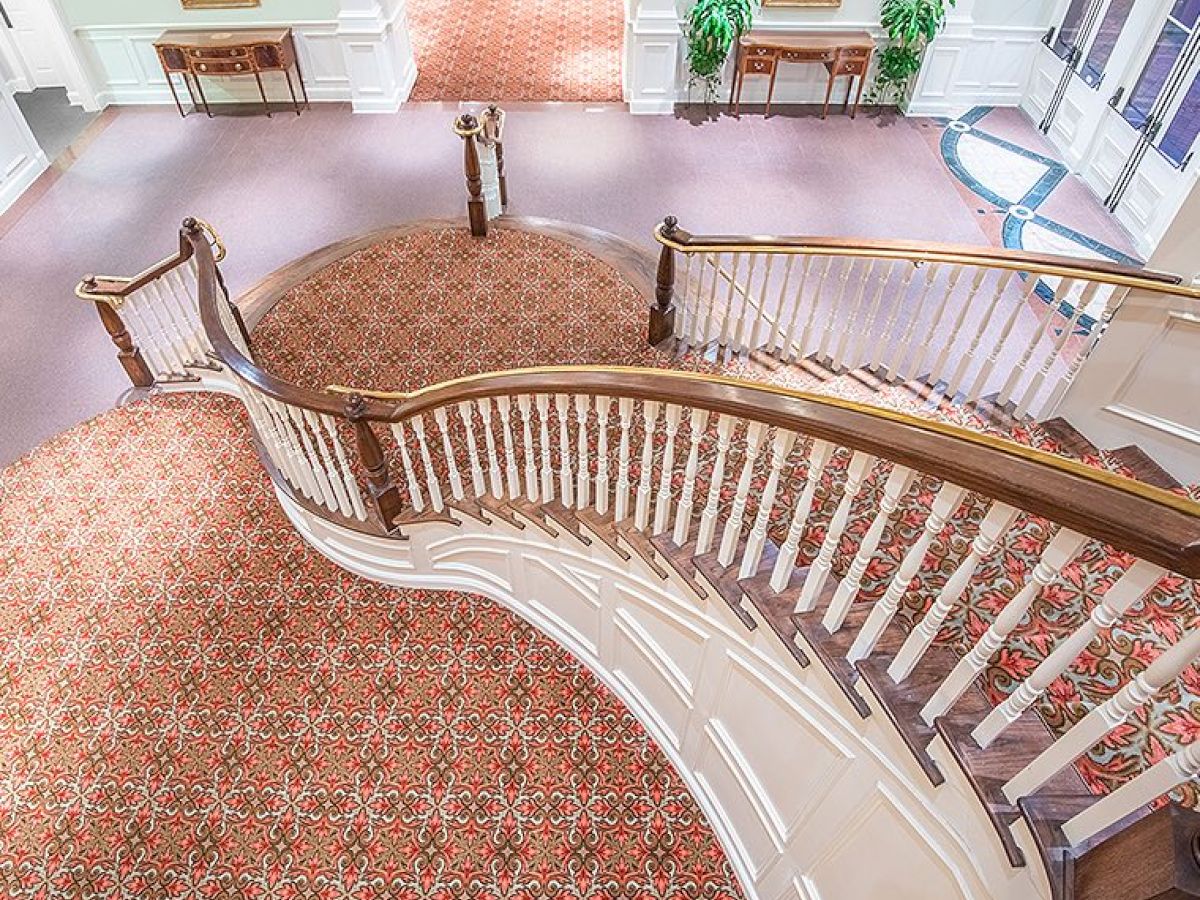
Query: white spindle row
[(956, 325)]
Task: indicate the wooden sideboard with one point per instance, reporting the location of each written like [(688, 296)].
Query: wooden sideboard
[(843, 53), (193, 54)]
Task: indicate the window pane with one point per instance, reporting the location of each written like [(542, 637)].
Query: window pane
[(1066, 36), (1177, 141), (1154, 76), (1106, 39), (1185, 12)]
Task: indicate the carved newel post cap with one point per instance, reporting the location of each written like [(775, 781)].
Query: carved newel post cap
[(356, 405), (1153, 859), (466, 125), (89, 281), (670, 223)]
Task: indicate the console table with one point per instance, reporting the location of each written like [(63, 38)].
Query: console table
[(227, 53), (843, 53)]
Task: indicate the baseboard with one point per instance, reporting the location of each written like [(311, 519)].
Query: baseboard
[(651, 107)]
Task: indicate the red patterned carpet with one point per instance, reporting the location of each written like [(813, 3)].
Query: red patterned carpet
[(501, 50), (193, 703)]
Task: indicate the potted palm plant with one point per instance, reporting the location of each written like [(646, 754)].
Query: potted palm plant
[(713, 26), (910, 26)]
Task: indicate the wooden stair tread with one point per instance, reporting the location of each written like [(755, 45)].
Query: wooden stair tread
[(988, 770), (1069, 437), (604, 530), (567, 519), (1142, 465), (777, 607), (831, 649), (640, 544), (680, 559), (725, 581)]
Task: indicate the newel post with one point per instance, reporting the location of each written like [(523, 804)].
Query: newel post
[(370, 452), (1157, 857), (128, 354), (662, 314), (467, 127)]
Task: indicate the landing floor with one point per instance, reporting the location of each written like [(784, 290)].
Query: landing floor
[(278, 188)]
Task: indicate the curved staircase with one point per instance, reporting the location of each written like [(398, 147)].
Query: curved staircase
[(888, 653)]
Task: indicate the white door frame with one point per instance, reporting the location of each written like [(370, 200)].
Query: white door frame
[(76, 74)]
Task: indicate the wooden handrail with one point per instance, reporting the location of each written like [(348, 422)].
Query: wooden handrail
[(113, 289), (1153, 524), (920, 252)]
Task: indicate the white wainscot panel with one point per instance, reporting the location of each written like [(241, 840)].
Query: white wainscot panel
[(783, 792), (883, 837), (483, 563), (567, 595)]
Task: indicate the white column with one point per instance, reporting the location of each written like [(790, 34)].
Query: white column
[(653, 56), (378, 53)]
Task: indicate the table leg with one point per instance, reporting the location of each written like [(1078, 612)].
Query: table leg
[(737, 101), (849, 90), (287, 73), (174, 93), (203, 99), (300, 77), (770, 90), (828, 93), (862, 81), (262, 93)]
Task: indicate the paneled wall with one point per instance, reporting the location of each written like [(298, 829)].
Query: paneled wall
[(21, 159), (809, 800)]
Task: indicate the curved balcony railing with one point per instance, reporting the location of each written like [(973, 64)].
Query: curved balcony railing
[(722, 477), (1008, 325)]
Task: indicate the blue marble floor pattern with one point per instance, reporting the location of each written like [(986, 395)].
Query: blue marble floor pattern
[(1017, 181)]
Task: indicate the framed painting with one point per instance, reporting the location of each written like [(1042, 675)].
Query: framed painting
[(219, 4), (824, 4)]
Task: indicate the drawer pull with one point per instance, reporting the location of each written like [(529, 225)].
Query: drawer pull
[(203, 67)]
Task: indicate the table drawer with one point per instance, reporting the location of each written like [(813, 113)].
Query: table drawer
[(850, 67), (218, 52), (760, 51), (756, 66), (224, 67), (807, 55)]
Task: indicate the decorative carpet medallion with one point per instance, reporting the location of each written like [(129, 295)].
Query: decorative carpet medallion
[(194, 703)]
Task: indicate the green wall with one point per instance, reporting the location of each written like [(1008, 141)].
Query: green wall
[(170, 12)]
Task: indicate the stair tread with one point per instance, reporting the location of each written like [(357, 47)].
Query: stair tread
[(567, 519), (1069, 438), (604, 529), (1137, 461), (640, 544), (724, 579), (679, 558), (831, 648)]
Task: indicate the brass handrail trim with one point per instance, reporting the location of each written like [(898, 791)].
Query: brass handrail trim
[(1105, 273), (1140, 489)]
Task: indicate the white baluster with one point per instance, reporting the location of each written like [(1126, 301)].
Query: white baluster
[(894, 488), (964, 364), (886, 339), (829, 326), (985, 371), (896, 365), (755, 432), (191, 311), (995, 523), (511, 473), (781, 446), (662, 503), (410, 476), (867, 337), (683, 320), (683, 513), (747, 310), (818, 572), (641, 516), (477, 482), (944, 505), (266, 426), (935, 371), (543, 408), (1031, 391), (456, 484), (348, 480), (1051, 313), (711, 312), (524, 403), (152, 302), (148, 340), (761, 315), (819, 455), (566, 479), (495, 475), (1092, 728), (727, 315), (583, 474), (802, 345), (773, 339), (1126, 591), (431, 479), (852, 319), (625, 416), (1085, 350), (934, 329), (186, 337), (312, 459), (1147, 787), (603, 405), (708, 518)]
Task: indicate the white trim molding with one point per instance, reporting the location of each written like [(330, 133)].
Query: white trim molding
[(21, 159), (974, 65), (377, 54), (798, 787), (653, 57)]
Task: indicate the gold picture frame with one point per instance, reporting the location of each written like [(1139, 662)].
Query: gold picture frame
[(820, 4), (219, 4)]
